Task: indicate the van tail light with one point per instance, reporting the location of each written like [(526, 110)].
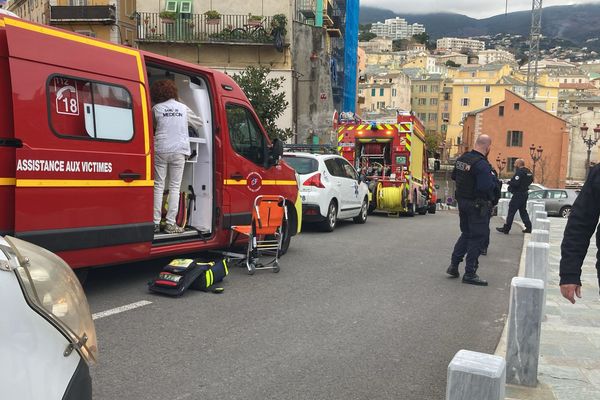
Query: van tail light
[(315, 181)]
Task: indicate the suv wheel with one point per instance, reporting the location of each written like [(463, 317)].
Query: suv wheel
[(331, 221), (361, 218), (565, 212)]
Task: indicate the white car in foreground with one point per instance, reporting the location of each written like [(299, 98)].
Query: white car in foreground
[(330, 189), (47, 336)]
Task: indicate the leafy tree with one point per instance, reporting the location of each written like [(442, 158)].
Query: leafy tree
[(266, 97), (432, 143), (400, 44), (451, 63), (422, 38), (365, 36)]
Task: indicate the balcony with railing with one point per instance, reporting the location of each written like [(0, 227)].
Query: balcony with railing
[(197, 28), (103, 14)]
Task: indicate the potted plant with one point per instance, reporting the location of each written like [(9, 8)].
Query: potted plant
[(212, 17), (254, 20), (168, 17), (278, 24)]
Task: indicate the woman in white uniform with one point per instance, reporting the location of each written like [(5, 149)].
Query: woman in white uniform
[(171, 147)]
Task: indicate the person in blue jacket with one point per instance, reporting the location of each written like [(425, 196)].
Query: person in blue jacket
[(474, 193)]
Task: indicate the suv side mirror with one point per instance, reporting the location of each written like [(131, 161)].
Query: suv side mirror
[(276, 152)]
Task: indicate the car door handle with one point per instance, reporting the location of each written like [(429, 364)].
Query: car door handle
[(237, 177), (129, 176)]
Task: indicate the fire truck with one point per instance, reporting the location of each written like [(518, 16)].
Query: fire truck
[(392, 157)]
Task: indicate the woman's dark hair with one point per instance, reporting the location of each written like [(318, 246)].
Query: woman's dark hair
[(163, 90)]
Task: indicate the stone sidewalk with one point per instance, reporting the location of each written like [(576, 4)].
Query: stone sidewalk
[(569, 367)]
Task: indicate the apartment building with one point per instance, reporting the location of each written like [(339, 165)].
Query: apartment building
[(477, 87), (460, 45), (388, 91), (495, 56), (397, 28), (112, 20), (514, 124), (425, 100), (377, 45)]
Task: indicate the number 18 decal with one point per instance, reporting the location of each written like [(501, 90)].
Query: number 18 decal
[(67, 100)]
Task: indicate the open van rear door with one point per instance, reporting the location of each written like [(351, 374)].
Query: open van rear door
[(83, 176)]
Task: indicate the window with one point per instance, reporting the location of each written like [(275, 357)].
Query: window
[(435, 88), (381, 92), (246, 137), (186, 7), (465, 89), (89, 110), (487, 101), (514, 139), (349, 172), (432, 117), (488, 88), (556, 194), (421, 102), (516, 106), (394, 92), (510, 164), (433, 102), (447, 96), (464, 102), (422, 116), (171, 6), (538, 194), (422, 88), (501, 111), (373, 92), (446, 117), (380, 104), (334, 168), (302, 165)]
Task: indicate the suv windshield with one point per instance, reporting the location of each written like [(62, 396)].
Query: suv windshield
[(302, 165)]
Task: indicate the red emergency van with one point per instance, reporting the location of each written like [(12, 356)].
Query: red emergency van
[(76, 149)]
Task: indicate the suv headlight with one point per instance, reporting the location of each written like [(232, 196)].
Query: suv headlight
[(52, 289)]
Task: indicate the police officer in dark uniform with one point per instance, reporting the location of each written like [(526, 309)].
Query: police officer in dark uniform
[(583, 220), (474, 192), (519, 187)]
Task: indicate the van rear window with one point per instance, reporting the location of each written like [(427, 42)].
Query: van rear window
[(89, 110), (302, 165)]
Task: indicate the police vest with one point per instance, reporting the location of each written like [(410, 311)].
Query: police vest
[(465, 179)]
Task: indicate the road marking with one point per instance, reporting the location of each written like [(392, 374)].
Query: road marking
[(121, 309)]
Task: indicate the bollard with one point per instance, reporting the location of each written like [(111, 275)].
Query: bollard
[(473, 375), (503, 207), (537, 258), (537, 214), (530, 204), (540, 235), (524, 328), (543, 224)]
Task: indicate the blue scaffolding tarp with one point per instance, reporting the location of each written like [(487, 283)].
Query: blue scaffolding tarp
[(350, 55)]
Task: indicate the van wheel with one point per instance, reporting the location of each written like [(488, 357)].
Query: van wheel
[(565, 212), (331, 221), (361, 218)]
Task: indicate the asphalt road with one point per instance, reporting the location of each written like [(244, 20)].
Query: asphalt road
[(365, 312)]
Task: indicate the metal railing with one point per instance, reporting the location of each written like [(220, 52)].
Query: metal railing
[(197, 28)]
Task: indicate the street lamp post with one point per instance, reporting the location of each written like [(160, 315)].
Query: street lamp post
[(501, 164), (590, 141), (536, 155)]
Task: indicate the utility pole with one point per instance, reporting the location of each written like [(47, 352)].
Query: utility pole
[(534, 50)]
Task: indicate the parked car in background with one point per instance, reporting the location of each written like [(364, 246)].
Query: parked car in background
[(558, 201), (505, 194), (330, 189)]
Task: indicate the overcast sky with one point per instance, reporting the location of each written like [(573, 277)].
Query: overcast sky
[(472, 8)]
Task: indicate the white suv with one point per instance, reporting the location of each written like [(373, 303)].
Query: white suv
[(330, 189)]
